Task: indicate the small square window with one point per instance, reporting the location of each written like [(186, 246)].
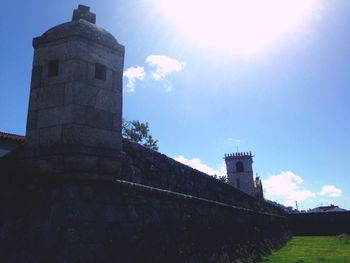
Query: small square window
[(100, 71), (53, 68)]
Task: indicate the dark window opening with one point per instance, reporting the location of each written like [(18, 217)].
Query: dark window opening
[(239, 167), (53, 68), (100, 71), (238, 183)]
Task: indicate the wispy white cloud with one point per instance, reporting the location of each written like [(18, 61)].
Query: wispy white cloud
[(235, 140), (222, 169), (158, 68), (133, 74), (330, 190), (196, 163), (163, 65), (287, 187)]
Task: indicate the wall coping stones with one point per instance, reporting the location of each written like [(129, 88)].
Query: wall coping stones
[(154, 167), (166, 193)]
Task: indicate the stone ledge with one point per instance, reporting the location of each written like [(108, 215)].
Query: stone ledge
[(166, 193)]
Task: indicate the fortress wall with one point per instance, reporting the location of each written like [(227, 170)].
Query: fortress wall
[(154, 169), (85, 222), (319, 224)]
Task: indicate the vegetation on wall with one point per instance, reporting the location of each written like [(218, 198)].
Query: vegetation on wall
[(222, 178), (139, 132)]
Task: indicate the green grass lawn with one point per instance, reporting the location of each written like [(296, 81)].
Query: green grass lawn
[(333, 249)]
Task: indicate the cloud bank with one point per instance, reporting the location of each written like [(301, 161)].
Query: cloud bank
[(163, 66), (286, 186), (330, 190)]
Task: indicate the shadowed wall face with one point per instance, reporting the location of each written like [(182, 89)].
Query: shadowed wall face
[(319, 224), (154, 169), (106, 222)]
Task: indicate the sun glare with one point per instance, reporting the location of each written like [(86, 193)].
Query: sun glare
[(238, 26)]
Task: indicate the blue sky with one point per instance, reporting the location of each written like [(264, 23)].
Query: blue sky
[(204, 95)]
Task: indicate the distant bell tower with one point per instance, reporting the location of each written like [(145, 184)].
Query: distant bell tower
[(75, 107), (239, 168)]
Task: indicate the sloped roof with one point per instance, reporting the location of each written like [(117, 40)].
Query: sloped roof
[(331, 208), (11, 137)]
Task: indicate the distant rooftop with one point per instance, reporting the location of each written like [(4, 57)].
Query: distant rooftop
[(11, 137), (330, 208)]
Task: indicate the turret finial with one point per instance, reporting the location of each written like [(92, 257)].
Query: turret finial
[(83, 12)]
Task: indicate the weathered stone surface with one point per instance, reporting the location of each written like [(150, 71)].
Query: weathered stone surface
[(49, 165), (52, 117), (101, 119), (117, 122), (51, 96), (110, 166), (36, 76), (75, 114), (124, 222), (78, 162), (154, 169), (32, 120), (79, 93), (73, 106), (50, 136), (77, 134), (75, 48), (74, 70), (117, 82), (79, 49), (69, 70), (320, 224), (32, 137), (82, 29), (83, 12), (110, 58), (107, 100)]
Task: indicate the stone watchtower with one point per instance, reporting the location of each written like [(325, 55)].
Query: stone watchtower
[(240, 173), (75, 106)]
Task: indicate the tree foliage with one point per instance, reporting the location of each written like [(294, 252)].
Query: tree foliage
[(137, 131), (222, 178)]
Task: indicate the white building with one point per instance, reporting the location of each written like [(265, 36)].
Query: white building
[(325, 209)]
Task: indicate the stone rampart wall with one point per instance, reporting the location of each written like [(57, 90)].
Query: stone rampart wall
[(85, 222), (151, 168), (320, 224), (171, 213)]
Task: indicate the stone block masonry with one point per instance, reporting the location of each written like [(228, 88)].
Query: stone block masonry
[(319, 224), (99, 221), (75, 106), (189, 217), (147, 167)]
